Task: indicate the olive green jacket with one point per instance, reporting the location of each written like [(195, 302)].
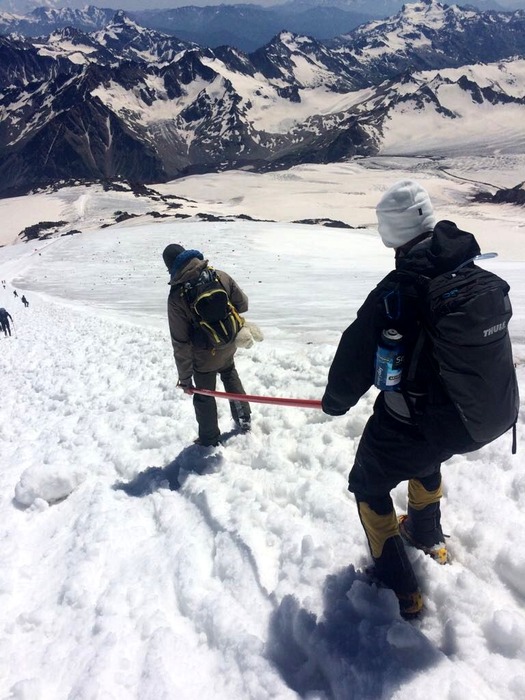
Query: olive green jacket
[(189, 355)]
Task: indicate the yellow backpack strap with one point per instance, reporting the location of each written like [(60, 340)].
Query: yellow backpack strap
[(236, 315), (211, 330)]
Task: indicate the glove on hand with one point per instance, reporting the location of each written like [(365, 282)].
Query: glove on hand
[(186, 385), (330, 409)]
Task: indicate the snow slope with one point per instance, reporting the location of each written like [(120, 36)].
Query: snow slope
[(135, 565)]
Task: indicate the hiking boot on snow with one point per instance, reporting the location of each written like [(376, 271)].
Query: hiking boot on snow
[(393, 570), (437, 551), (421, 526), (244, 425), (410, 604), (204, 443), (241, 415)]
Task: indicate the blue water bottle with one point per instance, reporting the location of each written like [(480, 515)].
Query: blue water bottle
[(389, 360)]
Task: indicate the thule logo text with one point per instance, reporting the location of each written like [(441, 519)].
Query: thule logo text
[(494, 329)]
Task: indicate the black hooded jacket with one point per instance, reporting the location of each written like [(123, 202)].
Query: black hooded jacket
[(353, 367)]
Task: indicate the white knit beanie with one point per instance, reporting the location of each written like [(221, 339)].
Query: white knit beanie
[(404, 212)]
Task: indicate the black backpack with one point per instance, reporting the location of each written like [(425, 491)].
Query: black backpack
[(464, 316), (212, 310)]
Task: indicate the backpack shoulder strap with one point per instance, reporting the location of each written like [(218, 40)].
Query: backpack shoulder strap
[(416, 355), (398, 286), (412, 286)]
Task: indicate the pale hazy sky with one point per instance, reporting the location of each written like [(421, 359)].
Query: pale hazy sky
[(369, 4), (20, 5), (25, 5)]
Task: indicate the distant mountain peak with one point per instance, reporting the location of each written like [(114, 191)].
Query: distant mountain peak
[(120, 17)]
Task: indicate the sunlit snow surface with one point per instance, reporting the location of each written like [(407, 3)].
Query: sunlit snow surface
[(135, 565)]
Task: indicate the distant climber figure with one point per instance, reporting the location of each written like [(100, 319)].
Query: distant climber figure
[(5, 317), (24, 301)]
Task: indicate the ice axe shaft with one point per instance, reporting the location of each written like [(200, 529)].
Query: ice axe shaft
[(250, 398)]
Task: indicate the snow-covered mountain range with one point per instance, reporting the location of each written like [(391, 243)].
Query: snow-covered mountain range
[(126, 101)]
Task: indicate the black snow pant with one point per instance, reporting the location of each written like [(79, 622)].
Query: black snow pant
[(206, 406), (6, 327), (391, 451)]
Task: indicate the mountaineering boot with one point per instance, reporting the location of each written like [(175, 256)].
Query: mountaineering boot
[(421, 527), (410, 604), (391, 565), (203, 443), (244, 424), (437, 551), (394, 571), (241, 415)]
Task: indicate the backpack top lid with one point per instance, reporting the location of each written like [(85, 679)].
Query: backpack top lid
[(200, 283), (445, 250)]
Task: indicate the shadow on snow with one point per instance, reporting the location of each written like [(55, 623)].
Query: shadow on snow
[(361, 649), (192, 459)]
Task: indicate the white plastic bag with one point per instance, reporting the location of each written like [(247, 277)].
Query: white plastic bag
[(249, 334)]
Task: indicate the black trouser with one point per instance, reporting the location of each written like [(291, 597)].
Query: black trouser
[(390, 452), (206, 406)]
